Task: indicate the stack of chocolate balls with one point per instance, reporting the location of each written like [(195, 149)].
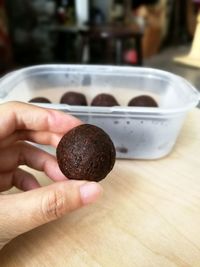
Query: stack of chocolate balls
[(87, 152), (101, 100)]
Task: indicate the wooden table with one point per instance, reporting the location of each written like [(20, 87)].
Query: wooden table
[(119, 33), (149, 216), (87, 35)]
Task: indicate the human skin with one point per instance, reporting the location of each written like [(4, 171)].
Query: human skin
[(35, 205)]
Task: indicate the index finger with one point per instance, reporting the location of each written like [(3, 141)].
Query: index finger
[(22, 116)]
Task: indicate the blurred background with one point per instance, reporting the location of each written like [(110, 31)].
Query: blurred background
[(149, 33)]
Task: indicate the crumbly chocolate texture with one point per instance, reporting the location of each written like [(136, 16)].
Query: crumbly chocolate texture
[(74, 99), (86, 153), (39, 100), (104, 100), (143, 101)]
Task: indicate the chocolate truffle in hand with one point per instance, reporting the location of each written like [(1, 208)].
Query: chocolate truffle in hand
[(104, 100), (143, 101), (86, 153), (39, 99), (74, 99)]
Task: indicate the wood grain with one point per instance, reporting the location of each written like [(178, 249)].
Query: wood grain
[(149, 216)]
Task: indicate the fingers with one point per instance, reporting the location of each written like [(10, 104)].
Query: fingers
[(44, 204), (22, 179), (43, 138), (18, 115), (25, 154)]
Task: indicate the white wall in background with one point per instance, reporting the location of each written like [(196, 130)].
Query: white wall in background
[(82, 11)]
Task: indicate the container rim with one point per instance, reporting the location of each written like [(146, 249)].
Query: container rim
[(106, 70)]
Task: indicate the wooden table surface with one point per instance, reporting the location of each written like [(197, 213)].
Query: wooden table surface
[(148, 216)]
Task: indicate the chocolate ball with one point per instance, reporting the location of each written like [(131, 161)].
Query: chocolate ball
[(86, 153), (143, 101), (74, 99), (104, 100), (39, 99)]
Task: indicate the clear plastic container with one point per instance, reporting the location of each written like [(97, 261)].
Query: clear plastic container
[(137, 132)]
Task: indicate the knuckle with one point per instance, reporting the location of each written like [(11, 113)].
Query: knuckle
[(53, 206)]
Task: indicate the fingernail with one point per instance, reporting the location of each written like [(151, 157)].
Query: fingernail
[(89, 192)]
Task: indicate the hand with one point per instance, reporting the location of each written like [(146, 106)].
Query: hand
[(24, 211)]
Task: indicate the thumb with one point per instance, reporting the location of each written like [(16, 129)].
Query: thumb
[(24, 211)]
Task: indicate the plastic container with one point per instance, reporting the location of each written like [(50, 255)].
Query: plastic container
[(137, 132)]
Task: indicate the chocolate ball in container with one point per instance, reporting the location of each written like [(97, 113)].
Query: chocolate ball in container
[(86, 153), (39, 100), (74, 99), (104, 100), (143, 101)]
